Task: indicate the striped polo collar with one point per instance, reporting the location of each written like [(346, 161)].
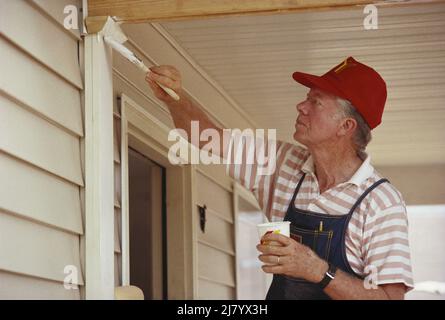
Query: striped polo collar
[(364, 172)]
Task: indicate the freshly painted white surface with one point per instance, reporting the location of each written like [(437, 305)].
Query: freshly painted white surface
[(99, 171)]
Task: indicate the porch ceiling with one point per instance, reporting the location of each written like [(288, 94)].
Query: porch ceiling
[(253, 57)]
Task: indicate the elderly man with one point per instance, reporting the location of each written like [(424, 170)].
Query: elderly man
[(349, 229)]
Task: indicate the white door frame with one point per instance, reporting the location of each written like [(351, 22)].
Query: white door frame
[(149, 136), (99, 172)]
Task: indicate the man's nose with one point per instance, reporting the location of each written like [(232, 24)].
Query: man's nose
[(302, 107)]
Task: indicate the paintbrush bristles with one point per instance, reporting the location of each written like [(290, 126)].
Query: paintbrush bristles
[(113, 30)]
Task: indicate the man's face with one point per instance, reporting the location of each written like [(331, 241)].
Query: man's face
[(318, 119)]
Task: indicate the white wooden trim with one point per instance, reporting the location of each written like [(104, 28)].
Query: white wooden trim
[(99, 170), (125, 220), (145, 133)]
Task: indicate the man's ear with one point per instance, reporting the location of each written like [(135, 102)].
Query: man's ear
[(347, 127)]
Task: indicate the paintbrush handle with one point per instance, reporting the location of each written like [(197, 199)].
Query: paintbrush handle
[(169, 91), (130, 56)]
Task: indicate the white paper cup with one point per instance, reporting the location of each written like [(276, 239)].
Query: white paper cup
[(282, 227)]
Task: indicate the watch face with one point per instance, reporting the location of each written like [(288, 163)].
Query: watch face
[(329, 276), (331, 271)]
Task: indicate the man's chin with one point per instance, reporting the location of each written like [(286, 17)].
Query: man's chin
[(298, 137)]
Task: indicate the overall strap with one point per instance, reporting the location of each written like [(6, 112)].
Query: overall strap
[(298, 188), (375, 185)]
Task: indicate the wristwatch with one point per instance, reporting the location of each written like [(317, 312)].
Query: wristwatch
[(328, 276)]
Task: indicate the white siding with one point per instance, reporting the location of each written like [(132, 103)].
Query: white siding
[(38, 195), (208, 290), (33, 249), (15, 286), (54, 8), (41, 132), (45, 137), (62, 58), (39, 89), (216, 245)]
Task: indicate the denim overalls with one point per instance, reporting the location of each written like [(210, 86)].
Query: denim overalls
[(325, 235)]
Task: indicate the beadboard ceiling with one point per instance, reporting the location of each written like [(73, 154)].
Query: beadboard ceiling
[(253, 57)]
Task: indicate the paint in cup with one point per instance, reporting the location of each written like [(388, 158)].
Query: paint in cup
[(282, 227)]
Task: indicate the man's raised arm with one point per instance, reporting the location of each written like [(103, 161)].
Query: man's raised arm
[(185, 110)]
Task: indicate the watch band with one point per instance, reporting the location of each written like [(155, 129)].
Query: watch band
[(328, 276)]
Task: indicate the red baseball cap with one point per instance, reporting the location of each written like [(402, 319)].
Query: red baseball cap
[(353, 81)]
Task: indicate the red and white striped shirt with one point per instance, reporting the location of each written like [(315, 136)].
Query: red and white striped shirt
[(377, 235)]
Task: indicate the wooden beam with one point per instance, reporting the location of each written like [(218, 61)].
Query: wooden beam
[(95, 24), (155, 10)]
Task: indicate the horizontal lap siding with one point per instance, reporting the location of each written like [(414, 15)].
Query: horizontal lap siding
[(216, 244), (30, 248), (55, 9), (34, 194), (218, 232), (216, 266), (207, 191), (32, 139), (41, 176), (39, 89), (214, 291), (63, 56), (16, 286)]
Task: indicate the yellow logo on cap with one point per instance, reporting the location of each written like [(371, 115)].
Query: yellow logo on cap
[(343, 66)]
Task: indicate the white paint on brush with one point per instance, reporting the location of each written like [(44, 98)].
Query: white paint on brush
[(114, 37)]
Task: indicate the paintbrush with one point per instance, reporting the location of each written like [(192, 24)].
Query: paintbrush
[(115, 37)]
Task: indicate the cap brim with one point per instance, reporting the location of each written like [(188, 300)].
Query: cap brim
[(312, 81)]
